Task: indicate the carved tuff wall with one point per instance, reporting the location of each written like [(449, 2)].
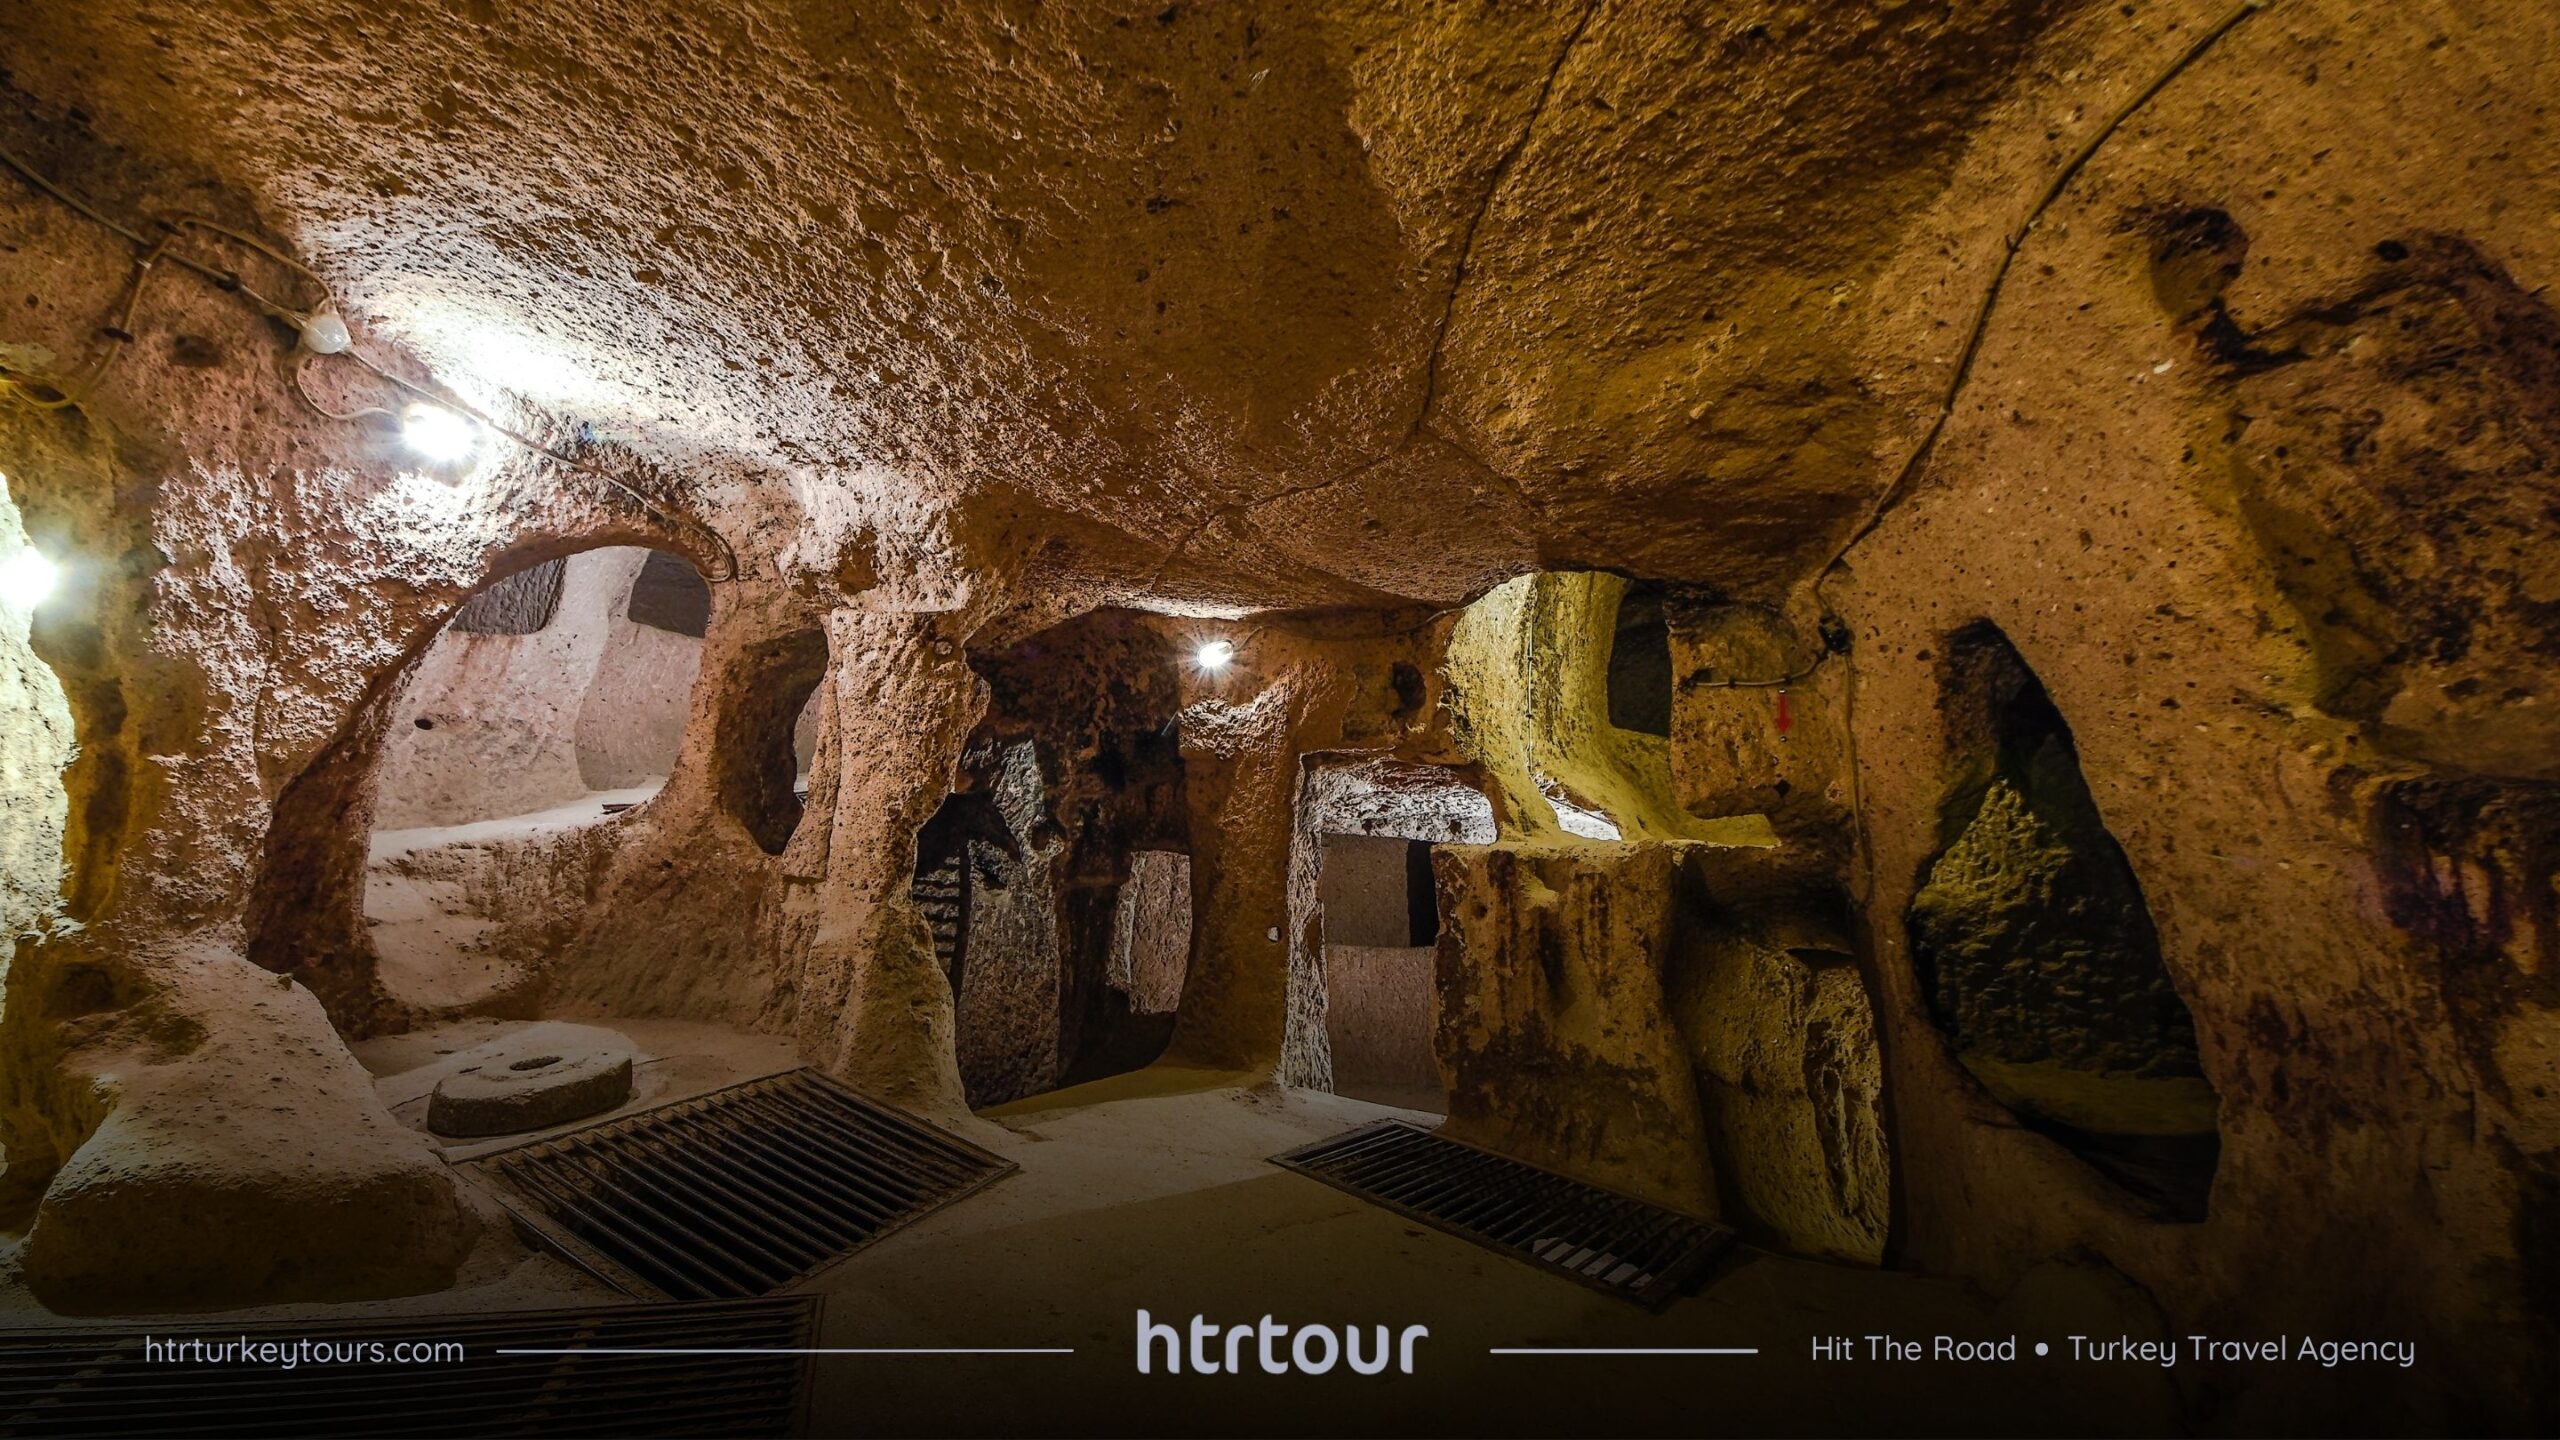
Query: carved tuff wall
[(2203, 355)]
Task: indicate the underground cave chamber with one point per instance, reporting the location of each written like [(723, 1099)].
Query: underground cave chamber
[(1601, 677)]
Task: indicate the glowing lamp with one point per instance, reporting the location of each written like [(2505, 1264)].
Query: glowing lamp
[(1215, 655), (438, 435), (26, 578)]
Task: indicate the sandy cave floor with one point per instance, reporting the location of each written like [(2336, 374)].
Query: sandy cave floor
[(431, 941), (1154, 1190), (587, 809)]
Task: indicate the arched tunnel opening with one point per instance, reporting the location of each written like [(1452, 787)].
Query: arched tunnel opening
[(555, 697), (768, 736)]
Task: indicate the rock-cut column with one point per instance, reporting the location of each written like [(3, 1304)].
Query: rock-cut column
[(1553, 1029), (873, 1006), (1240, 780)]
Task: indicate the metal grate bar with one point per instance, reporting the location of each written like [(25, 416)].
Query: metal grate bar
[(92, 1382), (589, 1209), (1615, 1243), (736, 1217), (846, 1160), (825, 1157), (723, 1233), (690, 1168), (923, 1141), (740, 1192)]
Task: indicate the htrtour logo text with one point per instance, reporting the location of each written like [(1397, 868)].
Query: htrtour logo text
[(1278, 1348)]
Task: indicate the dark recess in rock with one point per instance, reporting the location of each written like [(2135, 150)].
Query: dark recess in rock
[(670, 595), (756, 765), (1640, 663), (520, 604), (2035, 948)]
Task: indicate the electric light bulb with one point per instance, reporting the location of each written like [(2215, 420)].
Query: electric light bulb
[(323, 333), (438, 435), (1215, 656), (26, 578)]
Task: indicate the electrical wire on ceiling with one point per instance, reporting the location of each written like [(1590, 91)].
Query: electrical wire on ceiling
[(321, 330), (1906, 477), (1907, 474)]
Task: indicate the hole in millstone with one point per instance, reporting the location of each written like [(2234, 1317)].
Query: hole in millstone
[(2037, 953), (536, 1063)]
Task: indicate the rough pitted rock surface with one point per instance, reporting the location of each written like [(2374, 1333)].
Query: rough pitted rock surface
[(2029, 929), (1782, 1034), (1233, 284), (2035, 956)]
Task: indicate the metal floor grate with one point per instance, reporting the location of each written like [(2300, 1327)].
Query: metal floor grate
[(91, 1382), (1616, 1243), (739, 1192)]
